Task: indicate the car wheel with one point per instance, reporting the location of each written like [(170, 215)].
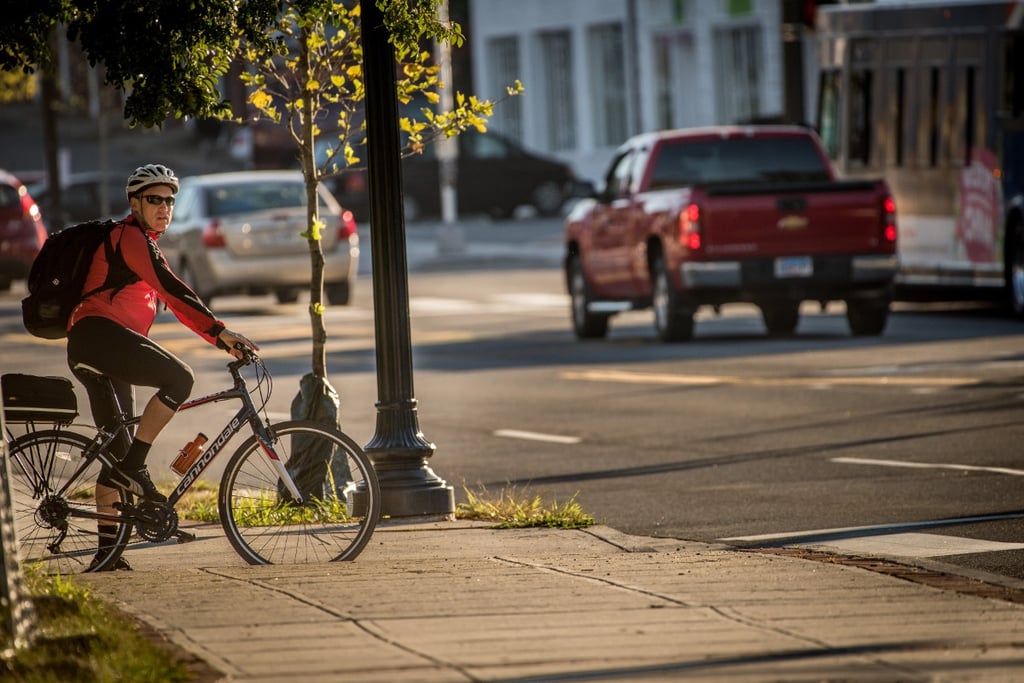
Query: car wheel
[(585, 325), (867, 317), (338, 293), (548, 199), (1015, 267), (672, 321), (5, 283), (781, 317), (286, 295)]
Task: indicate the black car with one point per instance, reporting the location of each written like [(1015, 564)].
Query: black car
[(496, 176), (82, 198)]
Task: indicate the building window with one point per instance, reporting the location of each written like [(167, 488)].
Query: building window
[(737, 73), (502, 71), (608, 84), (859, 139), (829, 95), (664, 106), (556, 58), (901, 113)]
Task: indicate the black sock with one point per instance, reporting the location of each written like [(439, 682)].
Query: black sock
[(135, 458), (107, 533)]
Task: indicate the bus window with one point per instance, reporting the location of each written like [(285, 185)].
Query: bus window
[(970, 124), (933, 116), (1013, 76)]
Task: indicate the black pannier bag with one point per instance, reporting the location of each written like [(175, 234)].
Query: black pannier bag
[(30, 398)]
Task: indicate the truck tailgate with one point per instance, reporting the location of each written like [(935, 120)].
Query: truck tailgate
[(787, 219)]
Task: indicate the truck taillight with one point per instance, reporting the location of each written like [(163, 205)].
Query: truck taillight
[(346, 225), (212, 235), (689, 227), (889, 219)]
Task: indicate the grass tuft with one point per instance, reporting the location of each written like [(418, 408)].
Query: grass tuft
[(516, 511), (261, 508), (80, 640)]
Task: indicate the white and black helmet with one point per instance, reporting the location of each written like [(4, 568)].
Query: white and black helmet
[(149, 175)]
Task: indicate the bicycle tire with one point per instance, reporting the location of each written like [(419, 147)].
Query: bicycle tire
[(265, 528), (40, 464)]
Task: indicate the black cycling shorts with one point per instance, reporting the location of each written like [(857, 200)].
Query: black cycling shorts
[(130, 360)]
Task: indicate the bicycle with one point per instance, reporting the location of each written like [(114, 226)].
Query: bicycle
[(294, 492)]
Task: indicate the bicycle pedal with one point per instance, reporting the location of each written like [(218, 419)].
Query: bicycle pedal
[(185, 536)]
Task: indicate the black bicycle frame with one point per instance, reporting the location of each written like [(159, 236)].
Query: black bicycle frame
[(247, 414)]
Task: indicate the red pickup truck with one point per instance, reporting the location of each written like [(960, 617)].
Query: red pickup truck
[(708, 216)]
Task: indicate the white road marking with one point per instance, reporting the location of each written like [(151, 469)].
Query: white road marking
[(537, 436), (628, 377), (929, 466)]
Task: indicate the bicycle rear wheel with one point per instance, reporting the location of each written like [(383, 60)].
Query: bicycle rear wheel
[(55, 509), (341, 497)]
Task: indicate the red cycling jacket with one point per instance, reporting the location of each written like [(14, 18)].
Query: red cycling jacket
[(134, 306)]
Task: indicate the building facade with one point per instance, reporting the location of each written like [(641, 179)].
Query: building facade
[(597, 71)]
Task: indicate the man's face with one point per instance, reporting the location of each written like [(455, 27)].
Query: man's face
[(151, 206)]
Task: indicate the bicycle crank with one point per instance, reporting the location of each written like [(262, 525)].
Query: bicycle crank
[(155, 521)]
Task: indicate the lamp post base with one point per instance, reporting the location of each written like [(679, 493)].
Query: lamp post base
[(400, 453)]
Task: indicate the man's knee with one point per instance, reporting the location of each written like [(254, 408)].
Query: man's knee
[(177, 392)]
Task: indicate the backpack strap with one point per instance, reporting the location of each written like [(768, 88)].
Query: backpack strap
[(119, 275)]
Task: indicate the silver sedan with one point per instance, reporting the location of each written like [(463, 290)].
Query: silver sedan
[(241, 233)]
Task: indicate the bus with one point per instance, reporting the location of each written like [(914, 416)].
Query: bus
[(930, 96)]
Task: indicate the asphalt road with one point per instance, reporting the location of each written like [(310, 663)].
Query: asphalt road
[(904, 446)]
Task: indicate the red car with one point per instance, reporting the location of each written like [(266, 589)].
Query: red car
[(22, 231)]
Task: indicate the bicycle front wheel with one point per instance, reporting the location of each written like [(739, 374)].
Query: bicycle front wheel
[(340, 497), (56, 510)]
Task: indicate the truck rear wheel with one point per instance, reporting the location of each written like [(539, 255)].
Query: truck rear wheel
[(867, 317), (672, 321), (585, 324)]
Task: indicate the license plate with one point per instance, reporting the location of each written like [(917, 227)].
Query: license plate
[(794, 266), (277, 237)]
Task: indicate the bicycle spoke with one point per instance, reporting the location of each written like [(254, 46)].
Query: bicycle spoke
[(336, 517), (55, 512)]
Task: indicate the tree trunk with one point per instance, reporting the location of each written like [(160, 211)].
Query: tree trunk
[(317, 400)]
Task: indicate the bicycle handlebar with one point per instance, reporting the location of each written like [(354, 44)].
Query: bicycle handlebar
[(248, 357)]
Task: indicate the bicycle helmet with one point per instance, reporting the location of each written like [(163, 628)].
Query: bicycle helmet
[(149, 175)]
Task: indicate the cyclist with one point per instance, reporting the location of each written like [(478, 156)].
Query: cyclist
[(108, 335)]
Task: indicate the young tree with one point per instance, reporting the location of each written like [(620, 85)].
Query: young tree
[(309, 79)]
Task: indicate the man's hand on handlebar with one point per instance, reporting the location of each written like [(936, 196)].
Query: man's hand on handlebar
[(232, 341)]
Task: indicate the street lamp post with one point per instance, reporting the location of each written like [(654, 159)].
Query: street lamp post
[(399, 450)]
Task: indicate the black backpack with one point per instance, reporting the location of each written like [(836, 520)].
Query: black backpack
[(57, 276)]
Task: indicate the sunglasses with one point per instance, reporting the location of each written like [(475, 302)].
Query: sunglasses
[(157, 200)]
